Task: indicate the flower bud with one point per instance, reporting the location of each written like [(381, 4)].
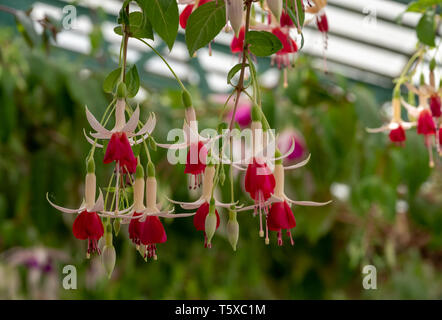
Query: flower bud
[(108, 258), (232, 229), (187, 99), (210, 223), (235, 14), (275, 7)]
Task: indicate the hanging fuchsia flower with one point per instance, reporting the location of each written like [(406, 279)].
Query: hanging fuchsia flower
[(88, 226), (425, 123), (289, 46), (259, 181), (435, 105), (203, 204), (152, 233), (119, 150), (185, 14), (196, 162), (322, 22), (281, 218), (285, 20), (119, 147), (237, 44), (396, 127)]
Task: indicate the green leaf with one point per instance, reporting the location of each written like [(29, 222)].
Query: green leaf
[(111, 80), (263, 43), (132, 81), (26, 28), (139, 26), (290, 8), (234, 71), (204, 24), (422, 5), (426, 29), (163, 15)]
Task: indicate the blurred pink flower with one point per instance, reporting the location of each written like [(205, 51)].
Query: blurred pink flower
[(285, 141)]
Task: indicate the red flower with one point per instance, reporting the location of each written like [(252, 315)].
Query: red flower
[(322, 23), (285, 20), (259, 181), (288, 44), (425, 123), (152, 232), (196, 161), (237, 44), (435, 105), (185, 14), (135, 228), (88, 226), (119, 150), (440, 136), (281, 217), (397, 135), (199, 219)]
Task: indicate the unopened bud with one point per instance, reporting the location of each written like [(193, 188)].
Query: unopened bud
[(211, 221), (275, 7), (235, 14), (232, 230), (139, 173), (108, 258)]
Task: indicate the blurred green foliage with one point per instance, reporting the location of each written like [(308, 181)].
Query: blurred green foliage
[(42, 149)]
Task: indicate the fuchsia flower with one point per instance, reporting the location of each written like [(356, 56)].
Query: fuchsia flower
[(185, 14), (281, 218), (202, 204), (88, 226), (259, 181), (237, 44), (119, 147), (288, 47), (435, 105), (396, 127), (196, 161), (425, 123), (321, 22), (152, 233)]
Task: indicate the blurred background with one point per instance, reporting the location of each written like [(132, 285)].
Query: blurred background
[(387, 202)]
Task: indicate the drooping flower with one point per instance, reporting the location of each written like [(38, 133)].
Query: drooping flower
[(435, 105), (87, 225), (280, 218), (119, 147), (425, 123), (396, 127), (196, 161), (237, 44), (152, 233), (289, 46), (202, 204), (322, 22)]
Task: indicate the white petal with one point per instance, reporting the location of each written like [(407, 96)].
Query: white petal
[(94, 123), (65, 210), (289, 152), (92, 142), (149, 125), (224, 205), (414, 111), (100, 135), (376, 130), (99, 205), (131, 125), (408, 125), (299, 164), (309, 203), (246, 208)]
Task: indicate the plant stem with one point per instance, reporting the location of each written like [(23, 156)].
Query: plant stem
[(164, 60)]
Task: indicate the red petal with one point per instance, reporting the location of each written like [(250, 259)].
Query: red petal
[(196, 159), (280, 217), (119, 149), (135, 228), (237, 44), (79, 226), (185, 14), (94, 226), (397, 135), (425, 123), (152, 231)]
